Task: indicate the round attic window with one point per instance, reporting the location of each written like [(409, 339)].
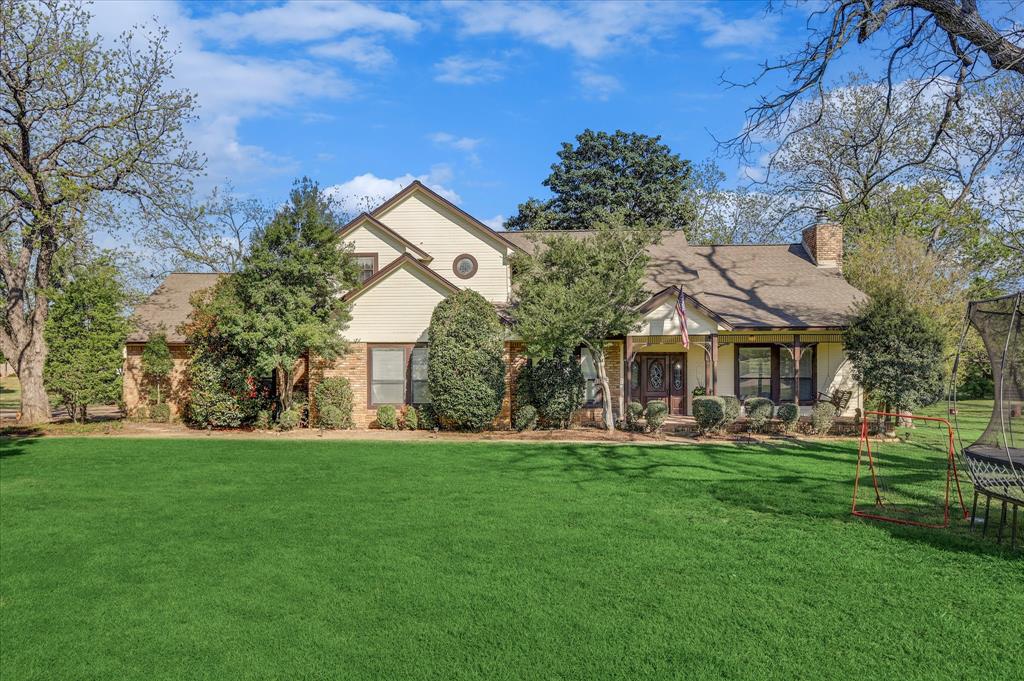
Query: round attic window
[(464, 266)]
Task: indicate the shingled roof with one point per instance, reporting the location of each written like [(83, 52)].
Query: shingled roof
[(748, 286), (169, 305)]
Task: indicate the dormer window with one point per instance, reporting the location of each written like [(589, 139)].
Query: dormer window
[(367, 264)]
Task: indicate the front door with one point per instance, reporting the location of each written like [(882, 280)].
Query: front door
[(663, 377)]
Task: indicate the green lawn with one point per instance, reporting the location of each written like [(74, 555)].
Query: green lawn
[(224, 559)]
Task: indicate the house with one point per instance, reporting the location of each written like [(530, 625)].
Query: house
[(764, 320)]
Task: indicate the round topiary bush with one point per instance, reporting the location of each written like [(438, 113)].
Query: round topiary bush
[(289, 419), (657, 412), (823, 416), (731, 406), (387, 417), (788, 415), (526, 418), (263, 420), (410, 419), (709, 413), (333, 395), (759, 412), (465, 367), (634, 412)]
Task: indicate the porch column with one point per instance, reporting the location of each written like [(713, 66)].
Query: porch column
[(711, 365), (797, 349), (629, 369)]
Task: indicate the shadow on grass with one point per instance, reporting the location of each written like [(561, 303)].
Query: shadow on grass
[(809, 479), (16, 441)]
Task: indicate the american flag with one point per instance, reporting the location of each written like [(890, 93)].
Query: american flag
[(681, 311)]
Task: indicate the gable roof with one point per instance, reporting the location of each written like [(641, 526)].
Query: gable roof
[(393, 266), (744, 286), (417, 186), (377, 224), (170, 305)]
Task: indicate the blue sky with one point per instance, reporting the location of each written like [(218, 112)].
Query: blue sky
[(472, 98)]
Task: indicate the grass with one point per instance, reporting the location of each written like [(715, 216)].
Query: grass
[(10, 395), (226, 559)]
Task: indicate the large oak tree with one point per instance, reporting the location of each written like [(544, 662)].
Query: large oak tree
[(88, 131)]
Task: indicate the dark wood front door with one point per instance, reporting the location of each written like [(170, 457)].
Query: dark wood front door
[(663, 377)]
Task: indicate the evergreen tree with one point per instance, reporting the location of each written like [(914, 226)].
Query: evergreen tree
[(85, 332)]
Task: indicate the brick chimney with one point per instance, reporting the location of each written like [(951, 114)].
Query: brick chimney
[(824, 243)]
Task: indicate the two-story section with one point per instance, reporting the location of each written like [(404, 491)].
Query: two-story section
[(413, 251)]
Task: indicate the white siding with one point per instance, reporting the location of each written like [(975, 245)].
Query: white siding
[(726, 370), (663, 320), (835, 372), (397, 309), (445, 235), (368, 240)]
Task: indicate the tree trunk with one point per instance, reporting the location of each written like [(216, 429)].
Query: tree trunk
[(285, 386), (606, 393), (35, 403)]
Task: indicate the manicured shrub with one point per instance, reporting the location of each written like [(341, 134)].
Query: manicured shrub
[(759, 412), (788, 415), (426, 417), (709, 413), (264, 420), (331, 417), (823, 416), (289, 419), (557, 389), (526, 418), (465, 367), (160, 412), (410, 419), (731, 405), (634, 413), (333, 395), (657, 412), (387, 417)]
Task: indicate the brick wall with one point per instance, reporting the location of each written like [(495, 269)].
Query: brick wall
[(824, 243), (515, 359), (135, 390), (353, 367)]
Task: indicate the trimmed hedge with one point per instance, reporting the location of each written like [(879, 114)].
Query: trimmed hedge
[(759, 412), (426, 418), (333, 398), (387, 417), (709, 413), (732, 410), (289, 419), (526, 418), (823, 416), (657, 412), (160, 412), (410, 419), (466, 367), (788, 415)]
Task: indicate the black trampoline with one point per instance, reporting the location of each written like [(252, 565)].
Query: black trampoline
[(995, 461)]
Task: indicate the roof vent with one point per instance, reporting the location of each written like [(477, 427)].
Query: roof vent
[(823, 241)]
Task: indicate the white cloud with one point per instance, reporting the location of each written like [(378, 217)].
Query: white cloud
[(364, 53), (367, 190), (594, 29), (496, 223), (461, 70), (599, 86), (446, 139), (229, 87), (304, 22)]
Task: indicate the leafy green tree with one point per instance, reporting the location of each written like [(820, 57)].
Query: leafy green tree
[(604, 173), (157, 362), (897, 352), (85, 332), (90, 134), (580, 292), (288, 290), (465, 365)]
